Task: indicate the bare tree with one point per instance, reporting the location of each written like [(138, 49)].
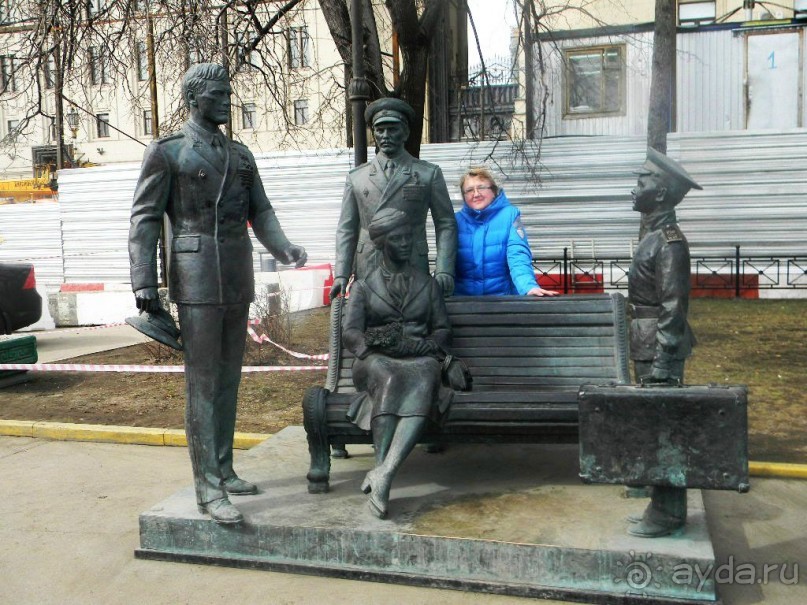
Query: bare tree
[(662, 89), (413, 24)]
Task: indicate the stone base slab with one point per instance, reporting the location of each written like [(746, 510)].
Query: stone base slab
[(506, 519)]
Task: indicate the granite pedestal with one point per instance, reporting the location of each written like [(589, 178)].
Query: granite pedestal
[(508, 519)]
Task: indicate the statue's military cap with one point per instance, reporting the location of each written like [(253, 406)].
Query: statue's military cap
[(389, 110), (659, 164)]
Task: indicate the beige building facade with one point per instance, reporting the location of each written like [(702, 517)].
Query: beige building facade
[(739, 66), (299, 104)]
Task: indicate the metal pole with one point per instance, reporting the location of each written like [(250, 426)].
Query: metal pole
[(736, 271), (566, 270), (59, 85), (529, 74), (152, 67), (359, 89)]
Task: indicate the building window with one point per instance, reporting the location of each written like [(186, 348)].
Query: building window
[(8, 79), (246, 58), (300, 112), (5, 12), (102, 125), (249, 116), (299, 47), (50, 72), (595, 81), (696, 13), (99, 67), (13, 127), (147, 123), (194, 54), (142, 62), (94, 7)]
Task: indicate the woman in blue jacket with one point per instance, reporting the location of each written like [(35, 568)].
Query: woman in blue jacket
[(493, 255)]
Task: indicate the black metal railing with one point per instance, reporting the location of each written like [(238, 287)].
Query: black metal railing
[(722, 273)]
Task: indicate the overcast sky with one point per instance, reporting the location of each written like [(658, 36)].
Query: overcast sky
[(494, 20)]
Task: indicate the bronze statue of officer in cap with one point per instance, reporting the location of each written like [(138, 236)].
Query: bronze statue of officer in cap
[(658, 289), (394, 179)]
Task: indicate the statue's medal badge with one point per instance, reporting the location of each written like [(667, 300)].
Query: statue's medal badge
[(246, 172), (413, 191)]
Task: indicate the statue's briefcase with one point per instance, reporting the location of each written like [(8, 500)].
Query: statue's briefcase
[(689, 436)]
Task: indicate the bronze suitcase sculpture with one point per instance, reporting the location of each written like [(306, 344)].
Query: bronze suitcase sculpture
[(678, 436)]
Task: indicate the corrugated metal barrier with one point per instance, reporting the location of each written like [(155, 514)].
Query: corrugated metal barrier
[(574, 195)]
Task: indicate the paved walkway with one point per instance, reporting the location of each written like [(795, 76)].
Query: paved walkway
[(70, 525)]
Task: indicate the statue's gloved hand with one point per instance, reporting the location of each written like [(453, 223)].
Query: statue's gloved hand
[(425, 347), (339, 287), (294, 254), (147, 299), (446, 282)]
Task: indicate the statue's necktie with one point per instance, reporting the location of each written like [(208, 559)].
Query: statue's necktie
[(219, 147), (389, 170)]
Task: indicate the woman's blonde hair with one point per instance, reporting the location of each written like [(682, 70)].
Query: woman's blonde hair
[(480, 172)]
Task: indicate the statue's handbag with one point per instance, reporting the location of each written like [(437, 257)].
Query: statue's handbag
[(456, 374)]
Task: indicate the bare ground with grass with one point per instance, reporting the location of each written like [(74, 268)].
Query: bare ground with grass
[(760, 343)]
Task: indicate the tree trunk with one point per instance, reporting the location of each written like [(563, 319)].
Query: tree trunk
[(660, 118)]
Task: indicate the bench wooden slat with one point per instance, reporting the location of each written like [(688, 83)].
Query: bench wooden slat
[(473, 347), (544, 319), (538, 361), (518, 304), (537, 332)]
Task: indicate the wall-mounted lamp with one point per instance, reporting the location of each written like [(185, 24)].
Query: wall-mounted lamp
[(72, 121), (100, 150)]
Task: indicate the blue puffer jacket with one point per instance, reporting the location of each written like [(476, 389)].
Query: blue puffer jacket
[(493, 255)]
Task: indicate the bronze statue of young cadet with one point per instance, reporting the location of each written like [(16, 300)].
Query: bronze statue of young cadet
[(397, 327), (209, 188), (658, 290), (394, 179)]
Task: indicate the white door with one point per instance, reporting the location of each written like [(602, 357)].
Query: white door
[(773, 76)]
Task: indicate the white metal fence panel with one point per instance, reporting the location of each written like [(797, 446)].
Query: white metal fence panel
[(31, 233), (95, 208), (576, 196), (710, 83)]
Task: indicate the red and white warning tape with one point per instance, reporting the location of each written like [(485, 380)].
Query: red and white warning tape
[(264, 338), (88, 367)]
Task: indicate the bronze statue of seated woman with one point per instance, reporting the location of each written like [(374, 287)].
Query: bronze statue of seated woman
[(397, 327)]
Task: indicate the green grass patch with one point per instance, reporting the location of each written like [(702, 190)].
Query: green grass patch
[(762, 344)]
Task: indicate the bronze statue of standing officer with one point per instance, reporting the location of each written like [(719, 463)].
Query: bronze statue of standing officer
[(209, 188), (394, 179), (658, 286)]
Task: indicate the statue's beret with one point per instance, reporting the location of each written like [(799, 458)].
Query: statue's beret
[(389, 110), (659, 164), (385, 220)]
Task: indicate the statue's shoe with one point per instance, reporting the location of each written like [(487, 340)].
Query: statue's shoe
[(379, 494), (222, 511), (646, 528), (236, 486)]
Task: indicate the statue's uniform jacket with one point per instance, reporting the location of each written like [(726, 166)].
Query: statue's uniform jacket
[(659, 284), (415, 188), (211, 253), (208, 197)]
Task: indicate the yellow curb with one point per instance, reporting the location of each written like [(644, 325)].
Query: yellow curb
[(17, 428), (175, 437), (132, 435), (67, 431), (781, 470), (244, 441)]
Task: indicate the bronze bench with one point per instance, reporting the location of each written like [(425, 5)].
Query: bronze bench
[(528, 357)]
